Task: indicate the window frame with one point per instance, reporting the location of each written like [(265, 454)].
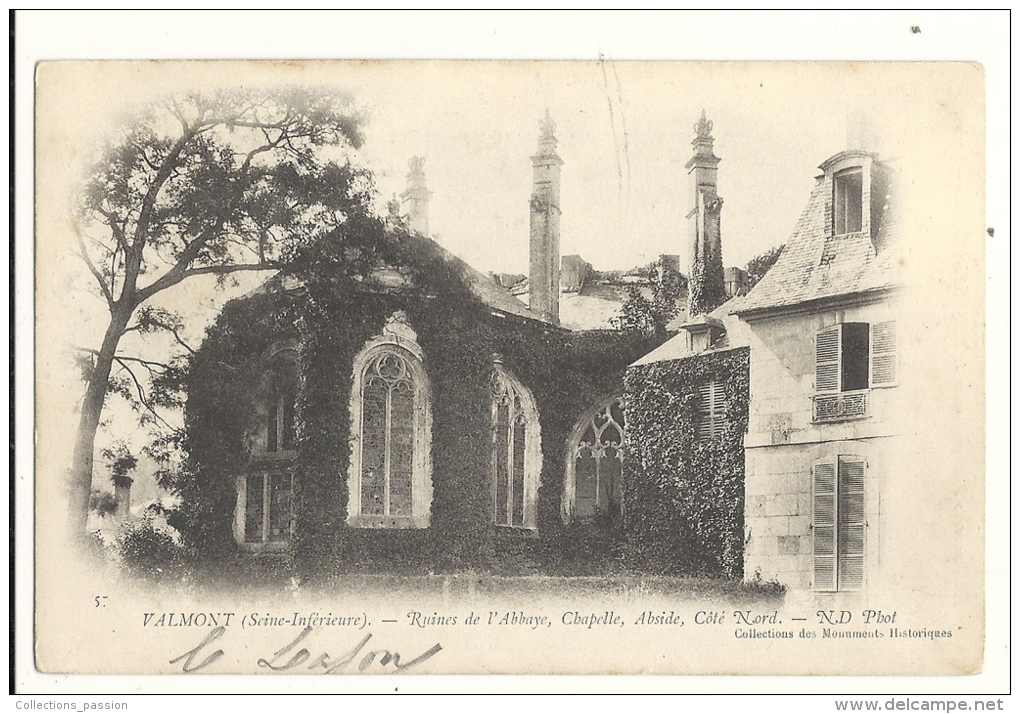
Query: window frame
[(263, 463), (400, 340), (273, 395), (504, 385), (840, 182), (265, 544), (838, 494), (838, 403), (568, 506), (889, 350), (840, 360), (275, 441)]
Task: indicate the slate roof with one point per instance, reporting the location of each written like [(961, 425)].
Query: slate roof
[(814, 267), (494, 296), (486, 290)]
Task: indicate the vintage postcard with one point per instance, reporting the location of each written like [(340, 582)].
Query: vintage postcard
[(509, 367)]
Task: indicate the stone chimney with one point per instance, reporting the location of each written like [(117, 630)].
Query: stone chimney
[(544, 277), (736, 281), (860, 134), (415, 200), (706, 289)]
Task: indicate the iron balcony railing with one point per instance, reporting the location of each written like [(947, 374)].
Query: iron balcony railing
[(838, 406)]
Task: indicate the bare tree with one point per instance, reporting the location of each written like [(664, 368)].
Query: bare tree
[(203, 184)]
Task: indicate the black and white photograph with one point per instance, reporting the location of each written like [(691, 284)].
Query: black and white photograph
[(509, 366)]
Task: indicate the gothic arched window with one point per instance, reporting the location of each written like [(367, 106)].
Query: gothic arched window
[(592, 488), (390, 480), (516, 452)]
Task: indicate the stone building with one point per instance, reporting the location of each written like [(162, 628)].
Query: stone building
[(412, 418), (804, 366), (825, 415)]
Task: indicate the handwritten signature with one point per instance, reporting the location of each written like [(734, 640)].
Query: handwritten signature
[(287, 659)]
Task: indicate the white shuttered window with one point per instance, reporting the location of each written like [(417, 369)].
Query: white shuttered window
[(827, 360), (854, 356), (711, 410), (838, 524), (883, 354)]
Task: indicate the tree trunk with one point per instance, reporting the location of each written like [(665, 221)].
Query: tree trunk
[(80, 486)]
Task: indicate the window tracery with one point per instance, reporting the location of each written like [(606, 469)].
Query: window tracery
[(390, 482), (595, 450), (516, 452)]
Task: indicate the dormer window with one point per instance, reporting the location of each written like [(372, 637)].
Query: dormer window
[(858, 194), (848, 201)]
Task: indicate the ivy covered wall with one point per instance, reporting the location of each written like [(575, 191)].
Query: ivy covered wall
[(684, 497), (331, 319)]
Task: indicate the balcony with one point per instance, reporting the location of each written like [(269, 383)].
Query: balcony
[(840, 406)]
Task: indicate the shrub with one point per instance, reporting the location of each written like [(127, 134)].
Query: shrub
[(102, 503), (150, 553)]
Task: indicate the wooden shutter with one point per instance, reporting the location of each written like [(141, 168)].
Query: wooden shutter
[(883, 353), (850, 535), (718, 408), (705, 411), (823, 525), (827, 360), (711, 409)]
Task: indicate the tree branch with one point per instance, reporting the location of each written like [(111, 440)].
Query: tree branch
[(182, 343), (141, 394), (93, 269), (148, 364), (116, 225), (175, 276), (235, 268), (172, 330), (133, 261)]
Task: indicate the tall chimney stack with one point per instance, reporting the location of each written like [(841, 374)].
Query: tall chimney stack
[(706, 288), (415, 200), (544, 277), (860, 133)]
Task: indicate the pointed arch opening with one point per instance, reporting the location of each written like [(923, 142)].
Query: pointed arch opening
[(390, 480), (516, 452), (593, 483)]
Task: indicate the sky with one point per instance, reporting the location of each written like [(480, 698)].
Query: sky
[(624, 131)]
